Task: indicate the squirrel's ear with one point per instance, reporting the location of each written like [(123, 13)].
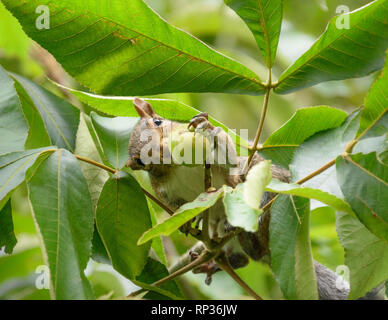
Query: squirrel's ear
[(143, 108)]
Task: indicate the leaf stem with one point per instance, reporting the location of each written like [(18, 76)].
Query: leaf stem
[(303, 180), (261, 123), (97, 164), (317, 172), (113, 171)]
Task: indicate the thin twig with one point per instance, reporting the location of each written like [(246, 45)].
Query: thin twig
[(205, 215), (203, 258), (97, 164), (113, 171), (261, 123), (186, 258), (223, 263), (158, 202), (303, 180), (317, 172)]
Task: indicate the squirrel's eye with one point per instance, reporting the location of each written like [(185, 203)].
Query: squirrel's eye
[(139, 162), (158, 122)]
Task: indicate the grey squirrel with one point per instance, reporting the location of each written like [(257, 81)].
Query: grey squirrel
[(176, 185)]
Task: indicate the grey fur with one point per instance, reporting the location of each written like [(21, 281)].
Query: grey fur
[(328, 288)]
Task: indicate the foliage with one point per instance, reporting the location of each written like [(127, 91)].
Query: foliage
[(71, 151)]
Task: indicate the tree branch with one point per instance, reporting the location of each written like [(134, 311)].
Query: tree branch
[(113, 171), (205, 236), (203, 258), (223, 263)]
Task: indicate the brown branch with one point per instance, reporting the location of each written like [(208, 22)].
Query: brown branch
[(205, 236), (186, 258), (113, 171), (158, 202), (95, 163), (203, 258), (317, 172), (223, 263)]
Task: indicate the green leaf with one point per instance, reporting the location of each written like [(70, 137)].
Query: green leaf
[(162, 293), (13, 126), (152, 272), (14, 167), (238, 212), (290, 247), (23, 288), (264, 19), (85, 147), (37, 133), (386, 288), (62, 209), (342, 53), (99, 252), (122, 217), (60, 118), (384, 157), (125, 48), (257, 179), (7, 236), (4, 201), (185, 213), (95, 178), (106, 285), (168, 109), (319, 150), (157, 243), (20, 264), (373, 130), (372, 144), (364, 182), (14, 42), (281, 145), (18, 278), (242, 204), (374, 138), (113, 135), (277, 186), (376, 102), (365, 255)]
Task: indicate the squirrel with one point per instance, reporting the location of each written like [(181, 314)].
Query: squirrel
[(176, 184)]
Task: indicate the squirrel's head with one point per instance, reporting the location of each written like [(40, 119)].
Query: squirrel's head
[(146, 140)]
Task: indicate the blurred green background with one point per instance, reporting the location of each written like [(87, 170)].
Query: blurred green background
[(220, 27)]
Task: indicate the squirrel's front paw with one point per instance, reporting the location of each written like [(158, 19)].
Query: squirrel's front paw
[(200, 122), (209, 268)]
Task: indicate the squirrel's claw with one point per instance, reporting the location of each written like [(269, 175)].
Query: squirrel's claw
[(209, 269), (200, 122), (202, 114)]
